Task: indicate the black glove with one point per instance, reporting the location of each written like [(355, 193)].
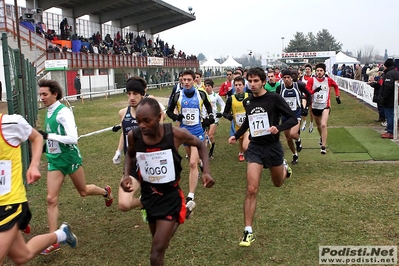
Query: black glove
[(44, 134), (219, 115), (211, 119), (317, 89), (305, 112), (229, 117), (338, 100), (116, 128), (205, 123), (179, 117)]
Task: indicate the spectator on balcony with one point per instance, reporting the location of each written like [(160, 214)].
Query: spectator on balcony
[(108, 40), (63, 26), (84, 49)]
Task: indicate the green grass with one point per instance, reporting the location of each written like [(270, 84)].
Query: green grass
[(326, 202)]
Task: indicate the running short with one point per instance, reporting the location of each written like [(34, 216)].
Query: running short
[(65, 169), (267, 155), (200, 136), (166, 205), (297, 113), (319, 112), (14, 214)]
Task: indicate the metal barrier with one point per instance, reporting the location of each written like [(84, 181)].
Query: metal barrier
[(20, 81), (365, 92)]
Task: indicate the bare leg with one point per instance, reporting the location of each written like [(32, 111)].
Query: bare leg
[(128, 200), (254, 172), (54, 183), (19, 251)]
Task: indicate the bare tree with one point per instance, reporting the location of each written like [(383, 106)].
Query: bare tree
[(368, 54)]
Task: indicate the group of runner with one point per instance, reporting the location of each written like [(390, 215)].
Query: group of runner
[(152, 161)]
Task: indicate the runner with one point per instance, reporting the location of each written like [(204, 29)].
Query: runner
[(63, 156), (320, 87), (14, 209), (263, 111), (155, 147), (135, 91), (234, 111), (189, 102), (291, 92), (217, 104), (304, 78)]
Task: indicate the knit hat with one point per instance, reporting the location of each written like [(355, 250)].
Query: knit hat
[(136, 85), (389, 62), (321, 65), (287, 72)]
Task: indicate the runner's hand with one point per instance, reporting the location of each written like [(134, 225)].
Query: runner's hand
[(117, 157)]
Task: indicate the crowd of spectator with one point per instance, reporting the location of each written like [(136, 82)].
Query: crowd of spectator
[(130, 44)]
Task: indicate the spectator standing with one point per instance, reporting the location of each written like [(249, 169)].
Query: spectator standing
[(77, 85), (358, 72), (377, 87), (387, 95)]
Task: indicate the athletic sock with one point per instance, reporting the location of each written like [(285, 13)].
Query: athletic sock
[(190, 195), (212, 148), (248, 228), (61, 235)]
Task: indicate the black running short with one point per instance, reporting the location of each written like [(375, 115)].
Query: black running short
[(268, 155), (14, 213)]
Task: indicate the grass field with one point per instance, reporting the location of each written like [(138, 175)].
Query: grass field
[(329, 200)]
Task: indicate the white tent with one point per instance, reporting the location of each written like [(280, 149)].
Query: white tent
[(211, 62), (230, 62), (210, 65), (339, 59)]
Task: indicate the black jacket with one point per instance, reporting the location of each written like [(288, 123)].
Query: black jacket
[(388, 87)]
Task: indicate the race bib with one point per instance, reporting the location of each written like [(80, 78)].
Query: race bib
[(259, 124), (191, 116), (5, 177), (320, 97), (156, 167), (291, 101), (240, 118), (53, 147)]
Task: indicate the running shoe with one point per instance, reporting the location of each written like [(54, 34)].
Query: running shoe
[(241, 157), (323, 150), (144, 215), (247, 239), (287, 168), (303, 126), (310, 127), (384, 124), (190, 205), (295, 159), (298, 144), (211, 156), (71, 239), (52, 248), (108, 197)]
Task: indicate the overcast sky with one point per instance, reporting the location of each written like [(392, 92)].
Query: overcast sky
[(233, 27)]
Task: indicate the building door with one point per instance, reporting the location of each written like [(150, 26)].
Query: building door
[(70, 82)]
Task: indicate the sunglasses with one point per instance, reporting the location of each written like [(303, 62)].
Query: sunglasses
[(228, 74)]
